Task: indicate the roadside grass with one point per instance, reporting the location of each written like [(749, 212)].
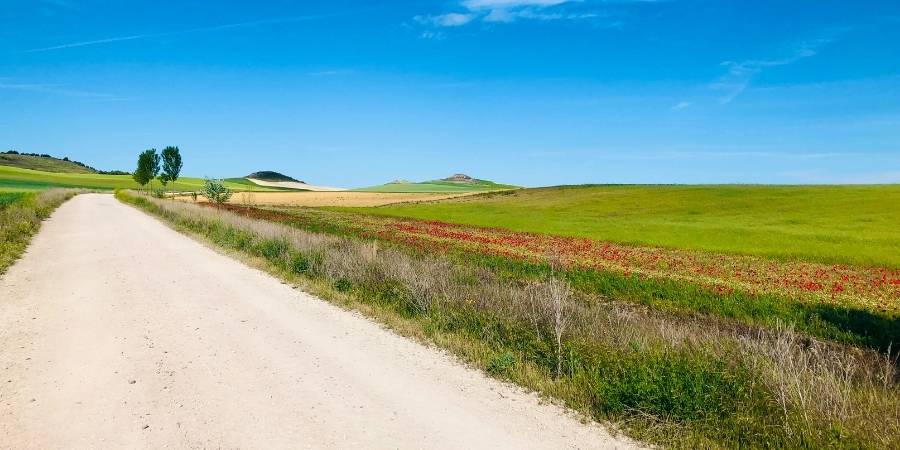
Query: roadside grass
[(9, 198), (830, 224), (842, 323), (684, 382), (21, 217), (13, 177), (862, 323)]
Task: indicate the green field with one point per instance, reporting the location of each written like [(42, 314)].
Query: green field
[(18, 179), (849, 224), (437, 186)]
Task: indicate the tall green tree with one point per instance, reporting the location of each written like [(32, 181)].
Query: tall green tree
[(171, 165), (147, 167)]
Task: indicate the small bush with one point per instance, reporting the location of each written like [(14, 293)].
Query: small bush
[(215, 191)]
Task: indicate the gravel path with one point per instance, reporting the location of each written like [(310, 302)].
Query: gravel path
[(118, 332)]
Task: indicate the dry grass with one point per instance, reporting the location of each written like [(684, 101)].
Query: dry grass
[(775, 387)]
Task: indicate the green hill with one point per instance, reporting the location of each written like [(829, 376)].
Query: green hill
[(456, 183), (44, 163)]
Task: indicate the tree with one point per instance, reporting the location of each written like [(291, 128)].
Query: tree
[(147, 167), (216, 191), (171, 165)]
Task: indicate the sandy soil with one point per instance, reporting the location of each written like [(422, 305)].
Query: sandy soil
[(349, 199), (118, 332), (295, 185)]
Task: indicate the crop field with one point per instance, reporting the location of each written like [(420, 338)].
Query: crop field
[(828, 224), (336, 199), (27, 179)]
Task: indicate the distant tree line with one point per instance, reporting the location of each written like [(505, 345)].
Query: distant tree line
[(77, 163)]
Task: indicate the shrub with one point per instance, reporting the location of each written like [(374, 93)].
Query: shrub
[(215, 191)]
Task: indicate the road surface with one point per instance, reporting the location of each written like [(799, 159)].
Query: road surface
[(118, 332)]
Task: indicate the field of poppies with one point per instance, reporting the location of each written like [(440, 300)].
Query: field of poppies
[(869, 288)]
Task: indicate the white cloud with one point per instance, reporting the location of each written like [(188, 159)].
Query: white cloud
[(503, 11), (446, 20), (681, 105)]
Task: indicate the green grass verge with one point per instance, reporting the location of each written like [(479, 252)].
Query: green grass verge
[(842, 324), (831, 224), (18, 178), (9, 198), (20, 218), (681, 394)]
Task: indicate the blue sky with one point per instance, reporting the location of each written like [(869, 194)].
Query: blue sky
[(532, 92)]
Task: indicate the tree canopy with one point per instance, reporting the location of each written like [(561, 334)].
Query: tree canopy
[(171, 164), (147, 167)]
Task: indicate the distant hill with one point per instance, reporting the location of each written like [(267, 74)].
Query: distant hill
[(268, 175), (460, 178), (456, 183), (43, 162), (17, 179)]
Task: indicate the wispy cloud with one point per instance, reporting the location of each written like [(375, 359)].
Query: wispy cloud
[(506, 11), (331, 72), (56, 89), (681, 105), (254, 23), (740, 74)]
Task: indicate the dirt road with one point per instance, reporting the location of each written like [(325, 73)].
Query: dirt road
[(118, 332)]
